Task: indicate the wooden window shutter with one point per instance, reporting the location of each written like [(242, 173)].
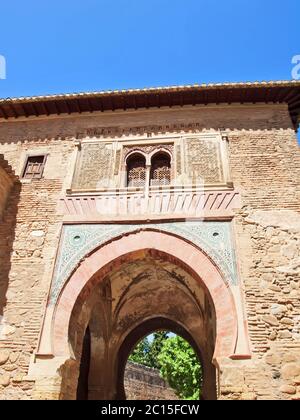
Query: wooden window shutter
[(34, 167)]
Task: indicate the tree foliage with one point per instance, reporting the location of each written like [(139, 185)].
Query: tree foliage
[(156, 346), (176, 360), (140, 354), (146, 352), (181, 368)]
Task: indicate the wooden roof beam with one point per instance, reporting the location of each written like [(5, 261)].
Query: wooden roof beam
[(77, 106), (295, 100), (35, 109), (67, 107), (56, 108), (45, 109), (11, 107), (91, 107), (290, 94)]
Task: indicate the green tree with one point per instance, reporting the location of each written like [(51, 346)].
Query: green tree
[(146, 352), (181, 368), (140, 354), (159, 339)]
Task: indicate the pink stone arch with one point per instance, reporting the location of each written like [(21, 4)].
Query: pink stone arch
[(133, 246)]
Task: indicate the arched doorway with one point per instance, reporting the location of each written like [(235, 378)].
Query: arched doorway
[(140, 276), (137, 277), (144, 290), (152, 326)]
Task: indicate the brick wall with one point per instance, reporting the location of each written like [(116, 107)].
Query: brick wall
[(7, 179), (265, 165), (29, 251), (5, 186)]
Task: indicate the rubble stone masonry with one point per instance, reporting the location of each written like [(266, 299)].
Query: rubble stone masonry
[(265, 166), (143, 383)]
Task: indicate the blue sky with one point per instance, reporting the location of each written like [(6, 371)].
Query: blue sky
[(85, 45)]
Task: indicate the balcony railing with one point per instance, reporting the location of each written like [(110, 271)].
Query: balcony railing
[(159, 182), (136, 183), (158, 202)]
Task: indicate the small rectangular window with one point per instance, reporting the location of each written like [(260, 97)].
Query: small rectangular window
[(34, 167)]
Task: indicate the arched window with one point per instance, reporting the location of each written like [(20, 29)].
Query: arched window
[(136, 171), (160, 169)]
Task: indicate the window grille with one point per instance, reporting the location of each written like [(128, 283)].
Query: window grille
[(161, 170), (136, 172)]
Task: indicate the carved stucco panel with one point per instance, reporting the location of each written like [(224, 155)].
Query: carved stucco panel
[(204, 160), (147, 149), (94, 168), (77, 241)]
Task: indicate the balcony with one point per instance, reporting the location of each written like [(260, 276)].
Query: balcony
[(155, 203)]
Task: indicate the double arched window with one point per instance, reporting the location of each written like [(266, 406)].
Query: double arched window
[(156, 173)]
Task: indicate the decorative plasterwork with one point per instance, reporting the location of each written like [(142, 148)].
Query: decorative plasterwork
[(78, 241), (116, 131), (204, 160), (196, 159), (94, 168), (147, 149)]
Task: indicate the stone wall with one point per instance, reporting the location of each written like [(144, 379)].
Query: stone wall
[(269, 263), (5, 187), (142, 383), (29, 253), (265, 165), (9, 198), (7, 180)]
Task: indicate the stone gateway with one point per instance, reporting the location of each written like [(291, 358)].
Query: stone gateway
[(127, 212)]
